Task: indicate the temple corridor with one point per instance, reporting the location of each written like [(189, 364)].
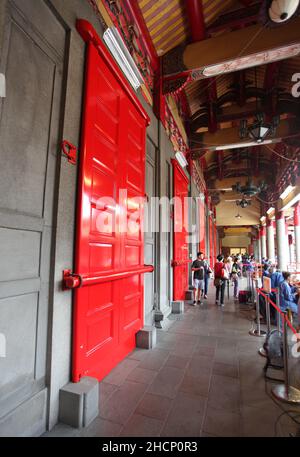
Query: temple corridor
[(204, 378)]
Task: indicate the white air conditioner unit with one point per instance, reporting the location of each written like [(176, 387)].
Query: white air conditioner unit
[(180, 157), (123, 58)]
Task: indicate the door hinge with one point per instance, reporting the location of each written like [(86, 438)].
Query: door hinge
[(70, 151)]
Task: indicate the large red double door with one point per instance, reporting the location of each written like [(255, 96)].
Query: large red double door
[(181, 248), (110, 243)]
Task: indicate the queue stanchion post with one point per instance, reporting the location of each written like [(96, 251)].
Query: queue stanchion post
[(278, 306), (257, 331), (262, 351), (285, 392)]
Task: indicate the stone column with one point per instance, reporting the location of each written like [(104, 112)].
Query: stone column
[(297, 233), (282, 257), (270, 240), (256, 250), (263, 241), (291, 250), (259, 247)]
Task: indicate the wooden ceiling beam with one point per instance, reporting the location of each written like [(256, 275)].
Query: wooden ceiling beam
[(223, 138), (236, 112), (232, 51)]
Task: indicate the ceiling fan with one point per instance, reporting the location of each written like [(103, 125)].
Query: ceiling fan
[(249, 189), (242, 203)]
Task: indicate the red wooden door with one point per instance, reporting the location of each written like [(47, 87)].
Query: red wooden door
[(181, 250), (109, 248)]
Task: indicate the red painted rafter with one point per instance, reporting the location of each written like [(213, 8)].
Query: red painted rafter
[(198, 33), (270, 83), (196, 19)]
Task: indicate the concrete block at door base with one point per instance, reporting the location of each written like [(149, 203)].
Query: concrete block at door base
[(189, 295), (78, 402), (146, 337), (178, 307)]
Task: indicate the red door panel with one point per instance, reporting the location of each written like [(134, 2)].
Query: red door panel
[(181, 249), (109, 247)]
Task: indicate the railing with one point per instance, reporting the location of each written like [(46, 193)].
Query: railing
[(284, 391), (179, 263), (74, 280)]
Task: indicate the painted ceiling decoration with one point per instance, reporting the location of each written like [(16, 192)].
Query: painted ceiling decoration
[(231, 70)]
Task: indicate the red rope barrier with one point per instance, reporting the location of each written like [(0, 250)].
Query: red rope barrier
[(259, 291)]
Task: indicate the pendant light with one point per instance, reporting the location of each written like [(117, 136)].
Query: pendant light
[(282, 10), (260, 129)]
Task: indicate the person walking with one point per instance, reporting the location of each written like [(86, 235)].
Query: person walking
[(235, 275), (198, 268), (220, 279), (207, 273)]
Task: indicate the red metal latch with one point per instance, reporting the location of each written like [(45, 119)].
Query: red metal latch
[(71, 280), (70, 151)]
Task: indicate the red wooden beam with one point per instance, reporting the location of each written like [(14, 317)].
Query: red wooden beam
[(270, 83), (196, 19), (212, 100), (198, 32)]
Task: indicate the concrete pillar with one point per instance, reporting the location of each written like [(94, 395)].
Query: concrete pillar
[(282, 248), (297, 233), (263, 241), (256, 250), (291, 249), (259, 247), (270, 240)]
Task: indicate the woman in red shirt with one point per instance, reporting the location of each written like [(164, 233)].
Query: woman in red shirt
[(220, 279)]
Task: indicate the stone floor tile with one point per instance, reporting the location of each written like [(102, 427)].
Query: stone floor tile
[(154, 406), (139, 425), (118, 375), (224, 393), (138, 354), (259, 422), (155, 359), (196, 385), (226, 370), (199, 365), (177, 362), (105, 392), (123, 402), (142, 375), (186, 416), (222, 423), (102, 428), (167, 382)]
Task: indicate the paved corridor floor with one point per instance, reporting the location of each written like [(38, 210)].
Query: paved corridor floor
[(204, 378)]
